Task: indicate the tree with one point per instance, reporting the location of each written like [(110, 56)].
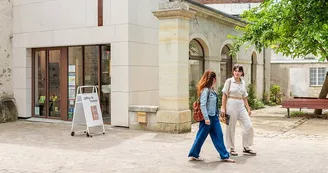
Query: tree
[(294, 28)]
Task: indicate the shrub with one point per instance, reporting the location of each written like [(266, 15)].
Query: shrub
[(275, 95), (220, 97), (253, 102), (266, 99)]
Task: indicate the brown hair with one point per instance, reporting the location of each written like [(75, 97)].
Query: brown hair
[(239, 67), (206, 81)]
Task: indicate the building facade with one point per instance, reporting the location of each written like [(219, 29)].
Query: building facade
[(299, 77), (145, 56)]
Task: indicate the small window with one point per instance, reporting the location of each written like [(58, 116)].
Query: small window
[(317, 76)]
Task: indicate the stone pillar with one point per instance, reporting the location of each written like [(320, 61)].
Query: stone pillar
[(267, 73), (174, 114)]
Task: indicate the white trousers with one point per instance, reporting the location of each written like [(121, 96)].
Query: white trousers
[(237, 111)]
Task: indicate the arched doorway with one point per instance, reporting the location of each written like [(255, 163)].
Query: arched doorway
[(226, 63), (196, 68), (253, 69)]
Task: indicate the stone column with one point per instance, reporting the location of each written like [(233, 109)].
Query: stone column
[(174, 114)]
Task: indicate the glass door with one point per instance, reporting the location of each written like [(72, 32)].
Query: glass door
[(40, 83), (48, 77), (54, 83), (105, 86)]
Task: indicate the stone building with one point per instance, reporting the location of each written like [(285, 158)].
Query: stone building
[(301, 77), (145, 56)]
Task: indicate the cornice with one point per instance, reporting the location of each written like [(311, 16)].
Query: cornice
[(174, 13)]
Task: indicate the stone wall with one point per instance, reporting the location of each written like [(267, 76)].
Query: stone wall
[(6, 22)]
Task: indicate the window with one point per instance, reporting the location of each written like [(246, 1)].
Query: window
[(196, 68), (317, 76)]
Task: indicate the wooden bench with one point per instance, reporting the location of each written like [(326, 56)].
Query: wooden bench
[(304, 103)]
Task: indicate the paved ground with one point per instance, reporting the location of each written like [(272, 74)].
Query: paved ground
[(283, 146)]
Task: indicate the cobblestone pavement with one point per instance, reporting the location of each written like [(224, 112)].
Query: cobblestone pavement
[(283, 146)]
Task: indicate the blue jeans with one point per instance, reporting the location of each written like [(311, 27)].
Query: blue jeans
[(216, 134)]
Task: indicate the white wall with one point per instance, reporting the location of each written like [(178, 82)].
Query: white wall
[(5, 48), (299, 82)]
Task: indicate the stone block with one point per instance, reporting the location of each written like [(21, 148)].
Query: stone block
[(174, 128), (8, 110), (173, 117)]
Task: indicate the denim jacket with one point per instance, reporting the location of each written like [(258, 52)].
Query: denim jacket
[(208, 107)]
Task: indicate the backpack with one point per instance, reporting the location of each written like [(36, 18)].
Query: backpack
[(197, 113)]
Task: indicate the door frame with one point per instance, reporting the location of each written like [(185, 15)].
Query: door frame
[(63, 82)]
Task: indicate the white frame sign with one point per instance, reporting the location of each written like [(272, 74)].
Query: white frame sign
[(87, 110)]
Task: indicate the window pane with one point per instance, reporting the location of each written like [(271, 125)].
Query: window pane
[(321, 75), (195, 49), (313, 76), (91, 56), (54, 83), (196, 71), (105, 83), (40, 83), (75, 78)]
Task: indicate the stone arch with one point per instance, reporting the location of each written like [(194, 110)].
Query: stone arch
[(203, 41), (198, 50), (226, 61), (229, 43)]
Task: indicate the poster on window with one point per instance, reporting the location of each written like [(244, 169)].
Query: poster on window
[(71, 68), (71, 79), (71, 93)]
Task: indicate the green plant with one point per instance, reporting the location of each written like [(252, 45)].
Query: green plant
[(251, 95), (298, 114), (220, 96), (266, 99), (253, 102), (275, 95)]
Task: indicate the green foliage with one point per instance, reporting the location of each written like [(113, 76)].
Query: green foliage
[(266, 99), (220, 96), (294, 28), (298, 114), (253, 102), (275, 96)]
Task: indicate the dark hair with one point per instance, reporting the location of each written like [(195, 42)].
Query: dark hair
[(240, 69), (206, 81)]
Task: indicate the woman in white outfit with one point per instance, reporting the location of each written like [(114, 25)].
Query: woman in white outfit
[(234, 101)]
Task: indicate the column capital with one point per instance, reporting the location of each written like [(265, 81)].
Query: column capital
[(174, 13)]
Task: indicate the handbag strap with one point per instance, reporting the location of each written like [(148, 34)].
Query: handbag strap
[(229, 87), (208, 95)]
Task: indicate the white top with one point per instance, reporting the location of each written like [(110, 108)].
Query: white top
[(236, 89)]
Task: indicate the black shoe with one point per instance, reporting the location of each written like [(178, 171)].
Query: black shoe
[(249, 151)]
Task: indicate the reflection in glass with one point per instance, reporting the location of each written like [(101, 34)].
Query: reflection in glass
[(40, 83), (54, 83), (195, 49), (105, 83), (91, 57), (196, 69), (75, 76)]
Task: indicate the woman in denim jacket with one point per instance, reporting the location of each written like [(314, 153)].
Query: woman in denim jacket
[(210, 124)]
